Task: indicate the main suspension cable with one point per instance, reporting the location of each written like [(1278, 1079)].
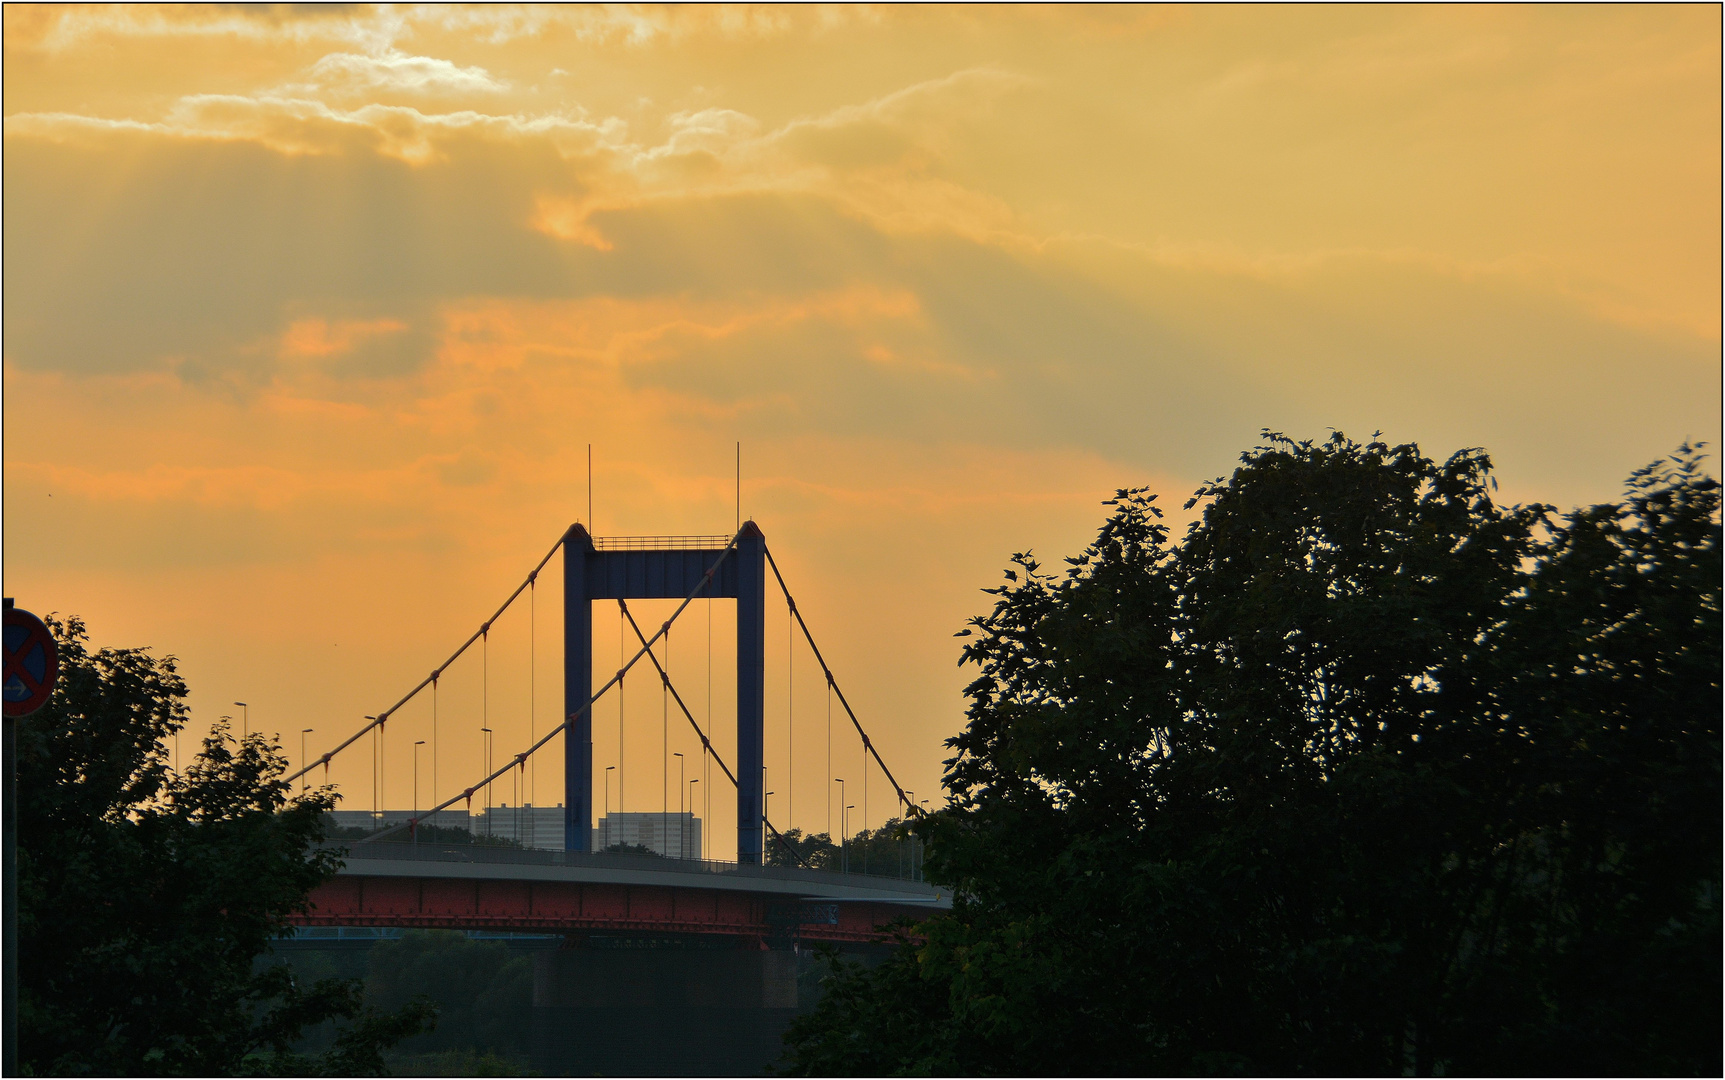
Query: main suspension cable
[(706, 743), (671, 690), (586, 706), (868, 745), (432, 678)]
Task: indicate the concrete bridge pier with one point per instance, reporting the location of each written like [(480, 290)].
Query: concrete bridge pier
[(647, 1008)]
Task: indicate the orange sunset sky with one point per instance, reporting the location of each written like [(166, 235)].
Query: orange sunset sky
[(310, 318)]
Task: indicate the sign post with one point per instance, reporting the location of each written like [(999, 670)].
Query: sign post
[(32, 664)]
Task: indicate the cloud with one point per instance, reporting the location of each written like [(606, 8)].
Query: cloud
[(711, 132), (917, 119), (57, 30), (299, 125), (881, 160), (347, 265), (319, 339), (254, 228), (380, 27), (394, 70), (321, 308)]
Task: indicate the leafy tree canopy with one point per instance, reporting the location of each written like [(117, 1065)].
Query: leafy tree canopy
[(146, 894), (889, 851), (483, 991), (1366, 775), (439, 835), (793, 847)]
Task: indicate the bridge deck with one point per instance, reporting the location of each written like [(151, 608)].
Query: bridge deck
[(480, 888)]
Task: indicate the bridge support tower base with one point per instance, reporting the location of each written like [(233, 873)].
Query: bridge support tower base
[(662, 1011)]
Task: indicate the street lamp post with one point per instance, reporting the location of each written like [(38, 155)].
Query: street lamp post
[(609, 769), (377, 779), (910, 798), (689, 818), (766, 797), (681, 841), (487, 733), (414, 827), (924, 804), (303, 763), (840, 782), (245, 718), (844, 825)]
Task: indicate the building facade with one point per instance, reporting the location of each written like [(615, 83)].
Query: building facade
[(528, 825), (674, 835)]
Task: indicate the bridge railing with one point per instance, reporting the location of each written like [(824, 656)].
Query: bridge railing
[(486, 854), (660, 543)]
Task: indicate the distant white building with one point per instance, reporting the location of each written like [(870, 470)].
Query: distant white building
[(529, 825), (675, 835)]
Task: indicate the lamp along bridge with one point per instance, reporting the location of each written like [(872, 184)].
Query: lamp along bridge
[(431, 884)]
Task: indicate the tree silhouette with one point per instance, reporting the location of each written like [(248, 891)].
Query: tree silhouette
[(146, 894), (1365, 775)]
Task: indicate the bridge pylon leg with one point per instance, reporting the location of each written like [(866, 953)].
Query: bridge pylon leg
[(751, 556), (664, 572), (577, 687)]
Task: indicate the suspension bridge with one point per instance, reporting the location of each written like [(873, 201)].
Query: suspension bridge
[(580, 890)]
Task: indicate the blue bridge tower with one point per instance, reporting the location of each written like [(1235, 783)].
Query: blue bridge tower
[(647, 568)]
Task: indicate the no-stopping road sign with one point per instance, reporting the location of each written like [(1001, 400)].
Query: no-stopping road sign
[(32, 663)]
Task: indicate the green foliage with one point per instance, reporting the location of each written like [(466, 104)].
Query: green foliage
[(457, 1063), (792, 847), (1367, 775), (483, 992), (630, 849), (889, 851), (145, 894)]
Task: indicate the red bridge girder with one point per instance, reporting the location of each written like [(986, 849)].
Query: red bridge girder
[(561, 907)]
